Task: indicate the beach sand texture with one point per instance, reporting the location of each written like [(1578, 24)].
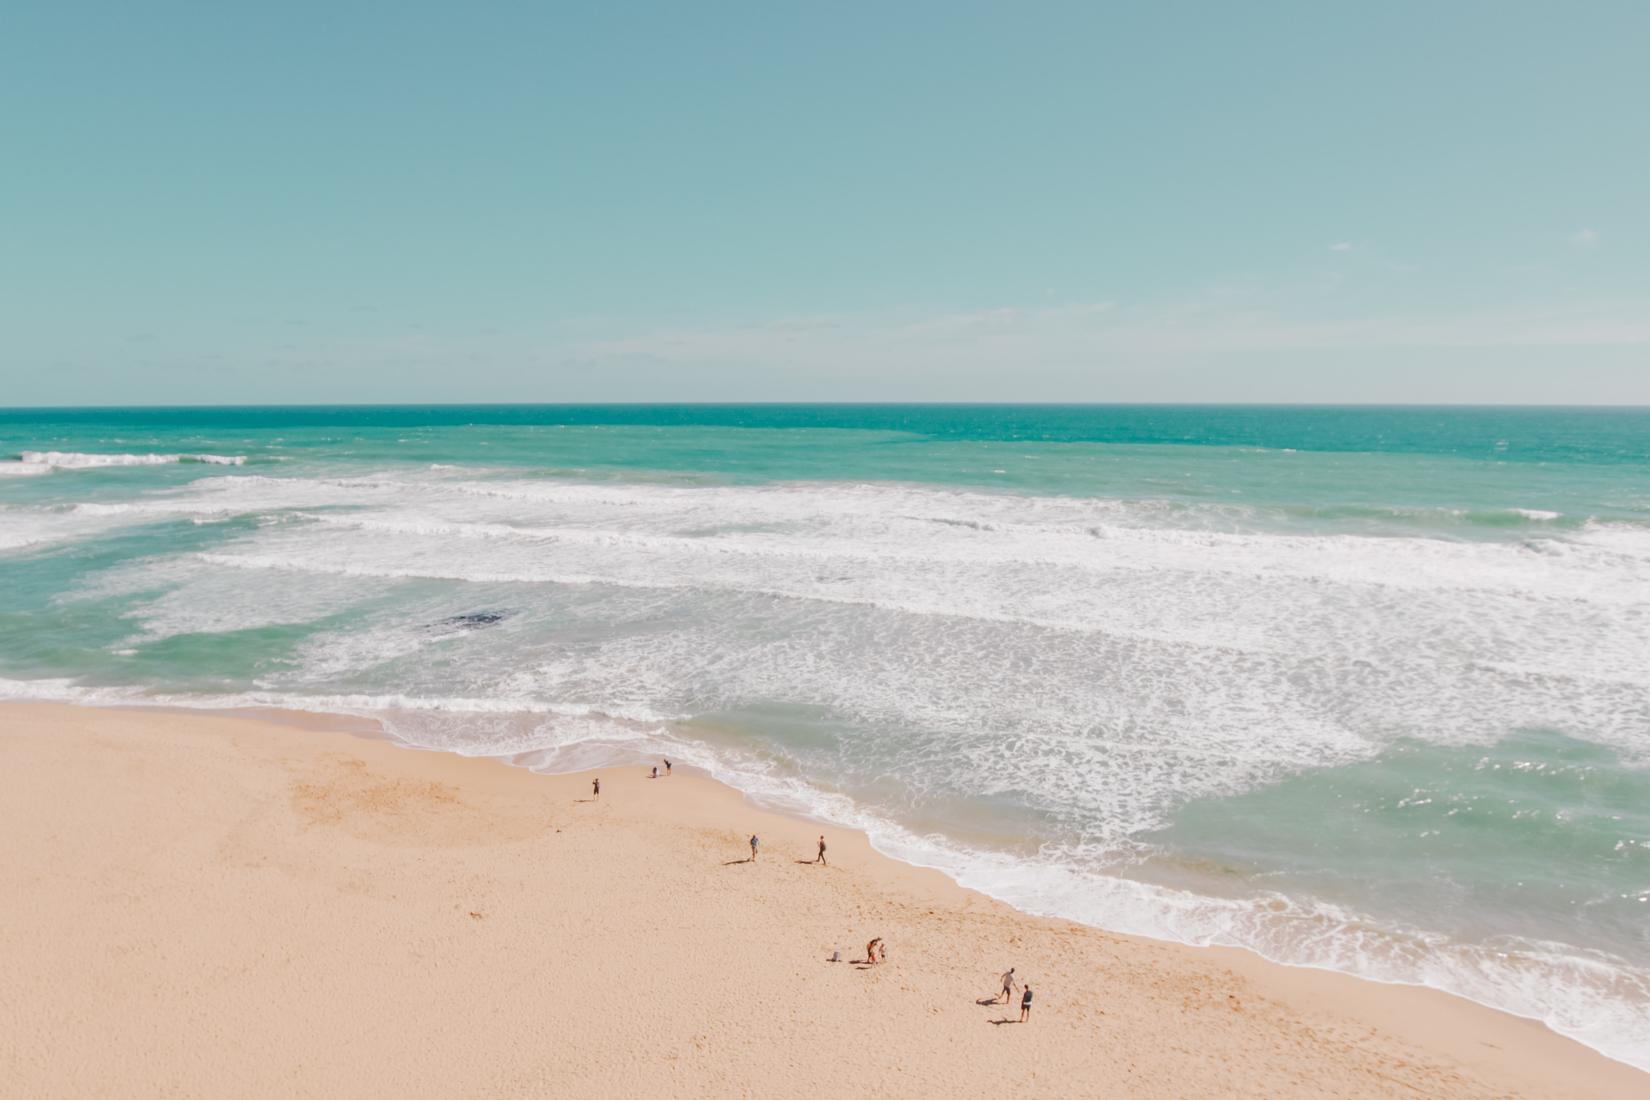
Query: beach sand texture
[(209, 905)]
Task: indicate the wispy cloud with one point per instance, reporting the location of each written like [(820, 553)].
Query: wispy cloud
[(1106, 330), (1584, 238), (1341, 246)]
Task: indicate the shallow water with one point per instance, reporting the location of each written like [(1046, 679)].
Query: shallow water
[(1365, 688)]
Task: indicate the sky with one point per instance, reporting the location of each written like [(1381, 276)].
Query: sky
[(342, 202)]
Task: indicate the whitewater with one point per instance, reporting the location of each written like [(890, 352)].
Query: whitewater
[(1360, 689)]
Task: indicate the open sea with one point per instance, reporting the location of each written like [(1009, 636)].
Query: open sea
[(1359, 688)]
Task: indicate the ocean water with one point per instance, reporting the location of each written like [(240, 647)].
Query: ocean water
[(1366, 689)]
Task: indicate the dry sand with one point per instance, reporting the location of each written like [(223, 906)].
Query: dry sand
[(205, 905)]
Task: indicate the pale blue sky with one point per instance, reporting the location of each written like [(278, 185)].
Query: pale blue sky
[(494, 202)]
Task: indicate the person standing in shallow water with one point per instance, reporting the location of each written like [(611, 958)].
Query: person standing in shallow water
[(820, 858)]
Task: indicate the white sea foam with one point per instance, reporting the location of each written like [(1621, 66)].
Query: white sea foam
[(877, 523), (23, 469), (32, 528), (76, 460)]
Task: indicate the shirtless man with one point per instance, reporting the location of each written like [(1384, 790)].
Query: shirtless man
[(821, 857), (1008, 985)]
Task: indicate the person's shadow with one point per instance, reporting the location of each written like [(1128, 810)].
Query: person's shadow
[(1001, 1022), (988, 1001), (736, 862)]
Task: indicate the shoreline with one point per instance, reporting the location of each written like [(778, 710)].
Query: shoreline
[(374, 728), (356, 821)]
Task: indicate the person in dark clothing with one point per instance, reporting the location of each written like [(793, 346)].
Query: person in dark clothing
[(1025, 1004)]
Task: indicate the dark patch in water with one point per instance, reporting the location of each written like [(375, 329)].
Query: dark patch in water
[(471, 620)]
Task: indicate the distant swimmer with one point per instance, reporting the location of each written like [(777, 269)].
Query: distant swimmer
[(1025, 1004), (820, 858), (755, 842)]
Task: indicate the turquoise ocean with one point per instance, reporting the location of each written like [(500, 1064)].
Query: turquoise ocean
[(1366, 689)]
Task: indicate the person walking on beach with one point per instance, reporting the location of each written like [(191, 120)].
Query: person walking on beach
[(667, 767), (1008, 985), (820, 858), (596, 787), (1025, 1005), (755, 842)]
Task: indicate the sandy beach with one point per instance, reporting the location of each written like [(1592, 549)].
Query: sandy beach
[(211, 905)]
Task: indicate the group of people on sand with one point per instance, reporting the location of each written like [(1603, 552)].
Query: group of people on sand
[(875, 951), (596, 783)]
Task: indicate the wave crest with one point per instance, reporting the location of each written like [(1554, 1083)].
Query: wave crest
[(80, 460)]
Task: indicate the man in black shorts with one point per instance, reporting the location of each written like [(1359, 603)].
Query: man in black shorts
[(1025, 1004)]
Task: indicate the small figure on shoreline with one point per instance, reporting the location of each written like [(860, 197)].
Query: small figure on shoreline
[(655, 774), (667, 767), (755, 842), (1025, 1004), (820, 858), (1008, 985), (596, 787)]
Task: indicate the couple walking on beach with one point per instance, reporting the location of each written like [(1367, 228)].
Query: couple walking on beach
[(756, 844), (1009, 984)]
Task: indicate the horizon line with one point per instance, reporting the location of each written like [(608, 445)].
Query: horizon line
[(832, 404)]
